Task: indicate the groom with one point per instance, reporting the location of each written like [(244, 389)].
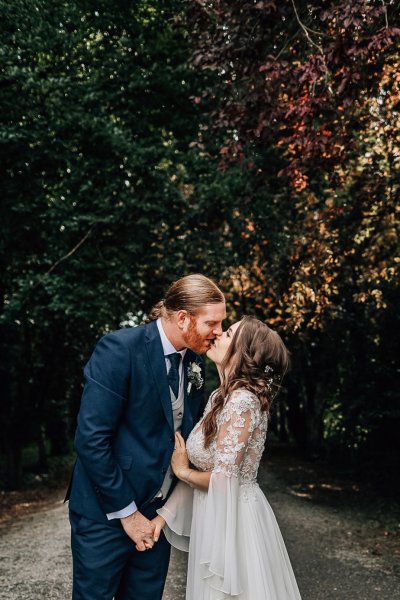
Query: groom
[(141, 386)]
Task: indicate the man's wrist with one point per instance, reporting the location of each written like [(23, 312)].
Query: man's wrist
[(132, 516), (125, 512)]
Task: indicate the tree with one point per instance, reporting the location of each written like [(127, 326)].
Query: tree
[(307, 99), (99, 193)]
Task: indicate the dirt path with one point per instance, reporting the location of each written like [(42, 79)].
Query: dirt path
[(330, 551), (35, 557)]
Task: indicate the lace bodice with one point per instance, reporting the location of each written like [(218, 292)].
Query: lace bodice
[(235, 547), (240, 440)]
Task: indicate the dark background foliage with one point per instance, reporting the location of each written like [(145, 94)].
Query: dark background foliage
[(255, 142)]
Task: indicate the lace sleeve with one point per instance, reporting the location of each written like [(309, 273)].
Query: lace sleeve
[(221, 563), (237, 421)]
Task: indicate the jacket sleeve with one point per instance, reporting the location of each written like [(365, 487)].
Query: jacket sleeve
[(103, 403)]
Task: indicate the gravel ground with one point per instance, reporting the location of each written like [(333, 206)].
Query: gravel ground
[(35, 557), (327, 547)]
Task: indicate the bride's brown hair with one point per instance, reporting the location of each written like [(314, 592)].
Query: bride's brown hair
[(258, 360)]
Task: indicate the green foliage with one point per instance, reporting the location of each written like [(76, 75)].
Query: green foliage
[(308, 99), (99, 176), (141, 141)]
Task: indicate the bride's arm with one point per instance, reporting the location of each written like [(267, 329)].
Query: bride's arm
[(196, 479), (181, 468), (231, 442), (175, 517), (220, 548)]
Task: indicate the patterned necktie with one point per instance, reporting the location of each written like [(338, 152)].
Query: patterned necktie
[(173, 373)]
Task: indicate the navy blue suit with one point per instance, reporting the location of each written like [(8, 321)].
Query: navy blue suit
[(124, 441)]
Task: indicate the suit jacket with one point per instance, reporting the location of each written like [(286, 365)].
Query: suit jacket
[(125, 433)]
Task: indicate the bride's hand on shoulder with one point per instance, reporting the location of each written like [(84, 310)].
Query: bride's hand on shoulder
[(158, 523), (179, 459)]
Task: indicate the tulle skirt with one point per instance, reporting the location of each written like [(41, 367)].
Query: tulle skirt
[(236, 550)]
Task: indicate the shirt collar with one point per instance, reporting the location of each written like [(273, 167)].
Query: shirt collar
[(168, 348)]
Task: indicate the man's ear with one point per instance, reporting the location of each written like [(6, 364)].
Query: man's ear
[(182, 316)]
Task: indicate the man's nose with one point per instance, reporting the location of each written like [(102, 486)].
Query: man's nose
[(218, 329)]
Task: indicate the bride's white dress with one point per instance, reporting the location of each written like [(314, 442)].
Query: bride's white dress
[(236, 550)]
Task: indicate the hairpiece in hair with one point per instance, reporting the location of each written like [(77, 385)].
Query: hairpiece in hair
[(269, 371)]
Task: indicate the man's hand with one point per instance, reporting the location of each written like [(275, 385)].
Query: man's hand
[(140, 530)]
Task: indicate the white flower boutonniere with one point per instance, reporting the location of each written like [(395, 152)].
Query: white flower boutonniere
[(194, 376)]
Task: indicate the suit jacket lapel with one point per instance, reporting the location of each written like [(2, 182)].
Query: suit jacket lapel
[(156, 360)]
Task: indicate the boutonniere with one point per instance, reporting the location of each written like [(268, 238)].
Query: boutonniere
[(194, 376)]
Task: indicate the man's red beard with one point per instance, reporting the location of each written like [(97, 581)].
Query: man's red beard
[(193, 339)]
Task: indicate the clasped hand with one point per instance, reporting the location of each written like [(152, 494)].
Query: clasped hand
[(145, 533), (140, 530), (179, 463)]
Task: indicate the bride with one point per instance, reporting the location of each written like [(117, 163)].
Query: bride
[(217, 512)]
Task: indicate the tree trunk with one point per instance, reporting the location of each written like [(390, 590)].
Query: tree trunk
[(13, 452), (41, 446)]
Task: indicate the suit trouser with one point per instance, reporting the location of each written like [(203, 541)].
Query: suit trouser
[(106, 564)]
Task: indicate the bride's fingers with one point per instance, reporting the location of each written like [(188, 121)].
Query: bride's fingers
[(157, 532), (180, 442), (148, 543), (140, 546)]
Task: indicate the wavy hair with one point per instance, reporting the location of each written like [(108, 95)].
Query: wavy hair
[(257, 359)]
